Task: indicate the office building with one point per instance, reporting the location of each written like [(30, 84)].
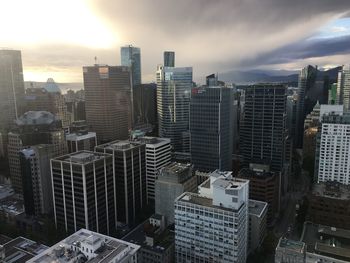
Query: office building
[(263, 126), (108, 101), (343, 87), (158, 155), (290, 251), (173, 103), (212, 226), (90, 247), (329, 203), (145, 105), (264, 186), (84, 192), (211, 128), (19, 249), (333, 149), (80, 138), (169, 59), (332, 94), (156, 241), (173, 180), (257, 228), (36, 179), (48, 98), (306, 82), (131, 57), (11, 87), (33, 128), (130, 178)]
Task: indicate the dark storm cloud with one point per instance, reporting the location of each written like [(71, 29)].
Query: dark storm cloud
[(310, 48)]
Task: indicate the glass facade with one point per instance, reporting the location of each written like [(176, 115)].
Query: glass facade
[(131, 57)]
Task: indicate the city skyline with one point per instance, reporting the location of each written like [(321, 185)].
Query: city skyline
[(294, 34)]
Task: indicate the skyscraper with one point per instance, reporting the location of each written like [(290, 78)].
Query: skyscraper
[(130, 177), (212, 226), (33, 128), (173, 103), (307, 80), (169, 59), (108, 101), (343, 88), (11, 86), (131, 57), (263, 127), (145, 105), (36, 179), (84, 192), (211, 128)]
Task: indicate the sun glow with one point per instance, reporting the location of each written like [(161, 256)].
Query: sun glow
[(39, 22)]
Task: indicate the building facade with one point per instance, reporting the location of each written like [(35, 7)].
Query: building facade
[(131, 57), (173, 180), (158, 155), (80, 138), (108, 101), (343, 88), (84, 193), (212, 226), (169, 59), (173, 103), (130, 178), (263, 126), (211, 128)]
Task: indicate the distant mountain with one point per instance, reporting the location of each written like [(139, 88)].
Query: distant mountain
[(63, 86)]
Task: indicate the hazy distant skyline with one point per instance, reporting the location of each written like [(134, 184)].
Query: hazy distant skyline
[(58, 37)]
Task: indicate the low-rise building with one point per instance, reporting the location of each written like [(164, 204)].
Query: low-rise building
[(290, 251), (257, 212), (90, 247)]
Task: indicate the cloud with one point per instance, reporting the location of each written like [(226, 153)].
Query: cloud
[(339, 29), (210, 35)]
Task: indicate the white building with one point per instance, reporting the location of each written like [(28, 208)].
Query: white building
[(158, 155), (212, 226), (334, 150), (87, 246)]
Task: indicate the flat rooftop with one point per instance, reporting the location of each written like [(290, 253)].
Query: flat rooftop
[(257, 207), (105, 249), (82, 157), (153, 141), (120, 145), (79, 136), (12, 205), (6, 191), (326, 240), (332, 190), (20, 250), (296, 246)]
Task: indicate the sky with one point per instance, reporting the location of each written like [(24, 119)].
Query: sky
[(58, 37)]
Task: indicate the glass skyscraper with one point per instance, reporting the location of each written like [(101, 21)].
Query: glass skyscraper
[(173, 103), (169, 59), (211, 128), (131, 57)]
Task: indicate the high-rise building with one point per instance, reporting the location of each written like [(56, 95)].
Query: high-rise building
[(264, 186), (173, 180), (33, 128), (130, 177), (131, 57), (145, 105), (36, 179), (169, 59), (108, 101), (211, 128), (158, 155), (343, 88), (80, 138), (257, 212), (307, 80), (333, 149), (48, 98), (89, 247), (84, 192), (212, 226), (11, 87), (173, 103), (263, 126)]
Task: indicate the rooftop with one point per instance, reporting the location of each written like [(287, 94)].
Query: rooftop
[(332, 190), (11, 205), (6, 191), (79, 136), (82, 157), (20, 250), (36, 118), (87, 246), (153, 141), (327, 240), (257, 207), (120, 145), (296, 246)]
